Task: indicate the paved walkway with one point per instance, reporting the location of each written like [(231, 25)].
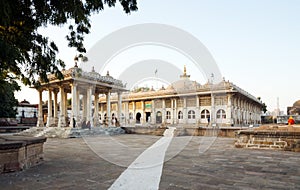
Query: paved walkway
[(97, 162)]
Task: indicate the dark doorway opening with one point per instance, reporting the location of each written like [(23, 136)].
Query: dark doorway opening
[(158, 117), (148, 114), (138, 117)]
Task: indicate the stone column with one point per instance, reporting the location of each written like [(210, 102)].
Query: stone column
[(198, 117), (185, 120), (143, 112), (89, 107), (62, 119), (212, 110), (153, 114), (163, 110), (49, 118), (175, 112), (66, 107), (229, 109), (126, 113), (73, 119), (108, 116), (119, 106), (133, 111), (78, 119), (96, 109), (84, 103), (102, 111), (40, 121), (55, 107)]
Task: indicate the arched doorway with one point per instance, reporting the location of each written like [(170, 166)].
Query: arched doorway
[(158, 117), (138, 117)]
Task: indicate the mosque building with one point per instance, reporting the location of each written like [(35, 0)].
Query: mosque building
[(186, 102), (102, 100)]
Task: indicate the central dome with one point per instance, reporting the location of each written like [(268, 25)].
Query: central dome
[(297, 104), (184, 83)]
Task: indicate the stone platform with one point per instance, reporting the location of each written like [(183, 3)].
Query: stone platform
[(20, 152), (71, 164), (56, 132), (270, 137)]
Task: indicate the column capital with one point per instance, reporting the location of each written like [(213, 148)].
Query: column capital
[(55, 90), (73, 84)]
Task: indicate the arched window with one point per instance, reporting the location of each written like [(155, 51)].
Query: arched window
[(191, 114), (205, 114), (168, 115), (130, 115), (221, 114), (100, 116), (180, 115)]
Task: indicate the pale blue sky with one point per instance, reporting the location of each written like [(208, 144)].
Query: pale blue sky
[(256, 43)]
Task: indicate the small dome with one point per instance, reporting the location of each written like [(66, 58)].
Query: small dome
[(24, 102), (296, 104)]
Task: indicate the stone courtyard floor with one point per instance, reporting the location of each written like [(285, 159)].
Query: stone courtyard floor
[(96, 162)]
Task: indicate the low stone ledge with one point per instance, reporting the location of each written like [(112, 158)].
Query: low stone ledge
[(5, 145), (144, 130), (19, 152), (266, 139)]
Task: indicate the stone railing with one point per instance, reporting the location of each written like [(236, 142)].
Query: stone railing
[(97, 77)]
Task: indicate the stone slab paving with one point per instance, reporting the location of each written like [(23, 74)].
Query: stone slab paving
[(224, 167), (72, 164)]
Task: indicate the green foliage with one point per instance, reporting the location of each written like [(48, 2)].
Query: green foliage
[(8, 103), (264, 106), (26, 54)]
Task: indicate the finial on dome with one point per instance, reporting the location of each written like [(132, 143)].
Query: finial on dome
[(184, 73), (93, 69), (107, 74)]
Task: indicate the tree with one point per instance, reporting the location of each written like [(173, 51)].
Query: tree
[(8, 106), (26, 54), (264, 106)]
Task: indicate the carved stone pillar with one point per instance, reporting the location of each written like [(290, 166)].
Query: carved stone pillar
[(185, 120), (55, 107), (89, 116), (49, 118), (74, 106), (120, 107), (153, 114), (62, 119), (40, 121), (96, 110), (229, 109), (175, 112), (163, 110), (108, 115), (84, 104)]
